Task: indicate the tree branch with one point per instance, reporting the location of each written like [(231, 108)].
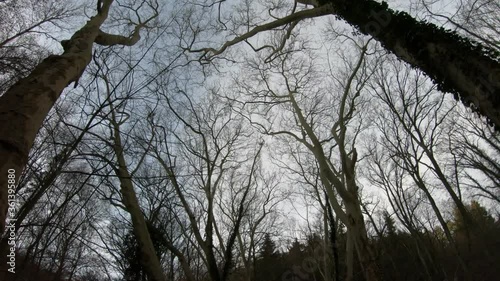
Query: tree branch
[(209, 53)]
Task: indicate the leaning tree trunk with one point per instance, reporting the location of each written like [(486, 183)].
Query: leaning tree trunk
[(455, 64), (25, 105), (149, 258)]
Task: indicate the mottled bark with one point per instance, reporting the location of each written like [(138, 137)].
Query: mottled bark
[(26, 104), (349, 190), (456, 65), (355, 221)]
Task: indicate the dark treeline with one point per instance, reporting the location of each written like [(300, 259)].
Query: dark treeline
[(248, 141)]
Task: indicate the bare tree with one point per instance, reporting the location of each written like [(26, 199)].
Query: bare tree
[(22, 24), (213, 174), (405, 198), (475, 149), (260, 216), (290, 83), (25, 105), (474, 19), (54, 187), (413, 127), (455, 64)]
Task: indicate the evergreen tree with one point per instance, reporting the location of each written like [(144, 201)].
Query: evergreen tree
[(390, 224), (295, 254), (269, 265), (268, 249), (134, 270)]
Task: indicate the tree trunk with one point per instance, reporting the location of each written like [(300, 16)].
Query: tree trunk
[(26, 104), (149, 258), (333, 240), (349, 253), (357, 232), (455, 64), (326, 242)]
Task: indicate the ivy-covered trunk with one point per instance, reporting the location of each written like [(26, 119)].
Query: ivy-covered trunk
[(456, 65)]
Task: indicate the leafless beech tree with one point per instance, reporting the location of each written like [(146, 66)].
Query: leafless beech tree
[(291, 83), (177, 155), (413, 122), (307, 173), (214, 175), (423, 136), (260, 217), (114, 139), (25, 105), (405, 198), (55, 185)]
